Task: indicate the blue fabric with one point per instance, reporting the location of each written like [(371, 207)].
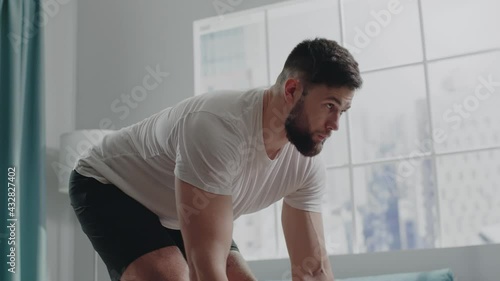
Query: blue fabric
[(437, 275), (22, 140)]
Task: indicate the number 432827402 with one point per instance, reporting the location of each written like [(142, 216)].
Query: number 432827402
[(11, 191)]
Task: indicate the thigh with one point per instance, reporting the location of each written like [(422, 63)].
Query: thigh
[(237, 268), (166, 264), (122, 230)]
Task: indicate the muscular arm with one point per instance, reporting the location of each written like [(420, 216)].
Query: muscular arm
[(305, 242), (206, 226)]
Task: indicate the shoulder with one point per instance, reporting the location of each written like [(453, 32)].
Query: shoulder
[(205, 124)]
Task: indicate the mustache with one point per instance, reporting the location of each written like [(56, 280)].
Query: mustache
[(327, 135)]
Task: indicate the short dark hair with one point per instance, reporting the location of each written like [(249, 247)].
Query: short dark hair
[(322, 62)]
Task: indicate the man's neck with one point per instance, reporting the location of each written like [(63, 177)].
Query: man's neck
[(274, 115)]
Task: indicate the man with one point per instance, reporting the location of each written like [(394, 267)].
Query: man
[(158, 199)]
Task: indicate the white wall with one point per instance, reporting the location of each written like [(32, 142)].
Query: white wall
[(118, 39)]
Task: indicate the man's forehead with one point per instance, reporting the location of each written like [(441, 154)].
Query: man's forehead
[(343, 96), (344, 102)]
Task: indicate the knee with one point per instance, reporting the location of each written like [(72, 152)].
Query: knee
[(166, 264), (237, 269), (166, 272)]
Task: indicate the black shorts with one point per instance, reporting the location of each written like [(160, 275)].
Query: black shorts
[(119, 228)]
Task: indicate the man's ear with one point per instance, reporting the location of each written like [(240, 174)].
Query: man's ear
[(292, 91)]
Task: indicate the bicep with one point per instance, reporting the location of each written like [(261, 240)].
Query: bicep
[(206, 221)]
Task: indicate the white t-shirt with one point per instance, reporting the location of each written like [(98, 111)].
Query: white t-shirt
[(214, 142)]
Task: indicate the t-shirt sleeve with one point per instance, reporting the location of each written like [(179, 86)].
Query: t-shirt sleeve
[(309, 195), (207, 155)]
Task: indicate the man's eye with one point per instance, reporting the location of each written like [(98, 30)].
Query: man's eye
[(330, 105)]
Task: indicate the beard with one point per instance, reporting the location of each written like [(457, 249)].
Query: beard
[(298, 132)]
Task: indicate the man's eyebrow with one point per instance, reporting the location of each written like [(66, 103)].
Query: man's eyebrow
[(338, 102)]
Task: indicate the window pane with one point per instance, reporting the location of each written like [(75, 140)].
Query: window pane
[(292, 23), (465, 99), (337, 213), (469, 194), (395, 206), (282, 250), (389, 115), (382, 33), (335, 150), (255, 234), (457, 27), (231, 54)]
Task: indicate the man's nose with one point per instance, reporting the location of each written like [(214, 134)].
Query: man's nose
[(333, 122)]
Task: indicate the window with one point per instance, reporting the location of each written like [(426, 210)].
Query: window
[(463, 105), (382, 33), (395, 206), (416, 161), (288, 25), (469, 205), (389, 116), (231, 54), (455, 36)]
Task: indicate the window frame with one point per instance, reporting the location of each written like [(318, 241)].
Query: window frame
[(200, 27)]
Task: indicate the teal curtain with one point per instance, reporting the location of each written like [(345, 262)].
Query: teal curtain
[(22, 142)]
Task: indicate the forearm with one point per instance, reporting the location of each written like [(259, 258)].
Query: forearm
[(207, 259), (306, 247), (207, 266), (206, 232)]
